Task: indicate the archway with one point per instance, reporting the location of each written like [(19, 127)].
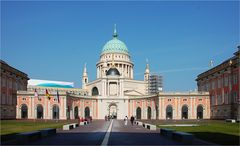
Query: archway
[(39, 111), (184, 112), (199, 112), (24, 111), (87, 112), (55, 112), (95, 91), (149, 112), (113, 110), (169, 112), (76, 112), (139, 113)]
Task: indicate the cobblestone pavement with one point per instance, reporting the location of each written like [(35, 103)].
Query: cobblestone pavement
[(91, 134), (110, 133), (136, 135)]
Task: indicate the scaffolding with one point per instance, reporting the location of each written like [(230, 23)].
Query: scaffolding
[(155, 84)]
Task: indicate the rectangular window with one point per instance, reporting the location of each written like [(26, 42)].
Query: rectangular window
[(9, 83), (235, 79), (219, 83), (226, 98), (3, 98), (3, 82), (14, 100), (212, 100), (213, 85), (207, 86), (219, 100), (10, 99), (225, 81), (235, 97)]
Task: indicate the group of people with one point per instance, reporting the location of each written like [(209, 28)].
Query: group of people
[(131, 120), (107, 118), (88, 119)]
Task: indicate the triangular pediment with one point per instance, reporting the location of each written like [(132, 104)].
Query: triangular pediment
[(132, 93)]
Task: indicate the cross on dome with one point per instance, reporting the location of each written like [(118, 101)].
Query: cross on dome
[(115, 31)]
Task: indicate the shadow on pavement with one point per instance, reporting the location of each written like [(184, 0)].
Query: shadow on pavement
[(218, 138), (96, 138)]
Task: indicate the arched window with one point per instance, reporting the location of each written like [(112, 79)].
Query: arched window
[(184, 112), (87, 112), (149, 112), (95, 91), (199, 112), (169, 112), (76, 112), (138, 113), (55, 112), (39, 111), (24, 111)]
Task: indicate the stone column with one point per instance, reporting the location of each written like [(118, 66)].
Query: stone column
[(64, 107), (79, 110), (132, 72), (163, 108), (194, 108), (159, 108), (17, 112), (31, 108), (93, 109), (49, 111), (45, 108), (132, 108), (97, 72), (108, 88), (205, 110), (179, 108), (153, 116)]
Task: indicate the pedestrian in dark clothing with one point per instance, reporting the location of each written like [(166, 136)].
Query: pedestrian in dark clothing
[(106, 118), (132, 119)]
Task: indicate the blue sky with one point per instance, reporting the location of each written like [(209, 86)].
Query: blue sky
[(53, 40)]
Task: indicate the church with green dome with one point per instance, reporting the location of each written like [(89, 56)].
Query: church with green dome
[(113, 93), (117, 92)]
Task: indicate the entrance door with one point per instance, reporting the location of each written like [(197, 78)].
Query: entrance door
[(113, 111), (149, 113), (139, 113), (87, 112)]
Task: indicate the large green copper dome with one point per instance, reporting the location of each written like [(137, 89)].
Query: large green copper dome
[(115, 45)]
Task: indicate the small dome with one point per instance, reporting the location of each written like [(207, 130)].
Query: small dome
[(115, 46), (113, 72)]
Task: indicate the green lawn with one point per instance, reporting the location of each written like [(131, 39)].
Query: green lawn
[(9, 128), (17, 126), (218, 132)]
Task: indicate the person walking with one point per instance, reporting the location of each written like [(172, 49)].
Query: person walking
[(106, 118), (132, 119), (125, 120)]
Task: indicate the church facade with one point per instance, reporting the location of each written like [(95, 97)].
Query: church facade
[(114, 92)]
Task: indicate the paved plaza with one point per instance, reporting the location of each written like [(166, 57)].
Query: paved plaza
[(109, 133)]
